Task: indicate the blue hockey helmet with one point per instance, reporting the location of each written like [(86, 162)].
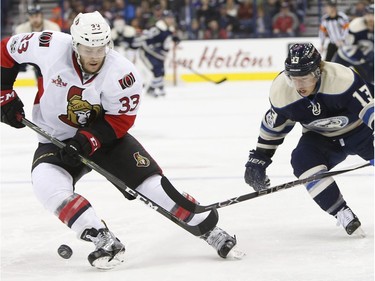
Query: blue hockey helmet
[(303, 58)]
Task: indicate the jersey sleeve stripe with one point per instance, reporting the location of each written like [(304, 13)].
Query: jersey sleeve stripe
[(6, 60)]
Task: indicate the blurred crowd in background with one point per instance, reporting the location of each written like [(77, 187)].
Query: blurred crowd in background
[(201, 19)]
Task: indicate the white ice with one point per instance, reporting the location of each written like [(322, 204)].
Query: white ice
[(200, 134)]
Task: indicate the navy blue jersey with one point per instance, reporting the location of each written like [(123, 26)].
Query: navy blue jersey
[(343, 102), (359, 43), (158, 40)]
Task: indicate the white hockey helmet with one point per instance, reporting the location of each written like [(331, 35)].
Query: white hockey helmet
[(90, 29)]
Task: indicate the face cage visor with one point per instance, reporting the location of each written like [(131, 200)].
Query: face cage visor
[(306, 81), (92, 52)]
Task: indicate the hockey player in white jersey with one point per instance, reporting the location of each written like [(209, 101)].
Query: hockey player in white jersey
[(89, 100), (335, 107)]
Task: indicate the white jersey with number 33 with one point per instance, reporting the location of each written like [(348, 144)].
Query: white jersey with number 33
[(69, 97)]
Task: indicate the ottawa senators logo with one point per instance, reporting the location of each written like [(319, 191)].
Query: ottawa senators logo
[(127, 81), (45, 39), (141, 160), (79, 112)]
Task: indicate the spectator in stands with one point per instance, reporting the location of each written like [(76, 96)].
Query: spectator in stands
[(214, 31), (263, 24), (77, 6), (245, 14), (285, 23), (36, 21), (195, 32), (185, 14), (334, 27), (206, 13), (64, 16), (231, 8), (271, 7), (126, 8), (108, 10), (225, 21)]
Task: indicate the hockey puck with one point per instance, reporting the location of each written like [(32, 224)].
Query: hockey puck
[(65, 251)]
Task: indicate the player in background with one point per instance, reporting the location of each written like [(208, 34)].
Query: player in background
[(155, 44), (36, 21), (334, 27), (123, 37), (335, 107), (358, 50), (90, 98)]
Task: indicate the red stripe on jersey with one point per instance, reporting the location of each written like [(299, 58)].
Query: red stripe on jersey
[(40, 92), (6, 60), (72, 208), (120, 123)]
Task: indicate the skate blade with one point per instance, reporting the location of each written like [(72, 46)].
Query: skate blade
[(106, 263), (235, 253), (359, 233)]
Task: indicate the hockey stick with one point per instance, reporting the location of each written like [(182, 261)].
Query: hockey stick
[(200, 208), (196, 230), (204, 76)]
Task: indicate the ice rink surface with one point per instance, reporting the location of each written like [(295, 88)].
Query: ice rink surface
[(200, 134)]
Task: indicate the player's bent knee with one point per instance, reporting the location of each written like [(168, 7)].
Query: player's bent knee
[(51, 195)]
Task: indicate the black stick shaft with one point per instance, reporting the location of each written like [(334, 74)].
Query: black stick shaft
[(204, 76), (248, 196)]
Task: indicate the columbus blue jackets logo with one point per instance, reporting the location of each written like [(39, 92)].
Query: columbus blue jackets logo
[(330, 124), (141, 161), (127, 81)]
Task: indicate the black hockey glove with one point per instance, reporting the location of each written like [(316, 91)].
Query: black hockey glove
[(255, 174), (11, 109), (83, 143), (176, 39)]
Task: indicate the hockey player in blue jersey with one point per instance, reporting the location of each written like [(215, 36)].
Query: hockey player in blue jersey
[(335, 107), (154, 49), (358, 49)]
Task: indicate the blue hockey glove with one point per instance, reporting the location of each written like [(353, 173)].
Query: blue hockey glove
[(255, 173)]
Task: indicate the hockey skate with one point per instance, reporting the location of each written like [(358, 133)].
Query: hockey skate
[(109, 251), (151, 92), (223, 243), (350, 222), (156, 92)]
